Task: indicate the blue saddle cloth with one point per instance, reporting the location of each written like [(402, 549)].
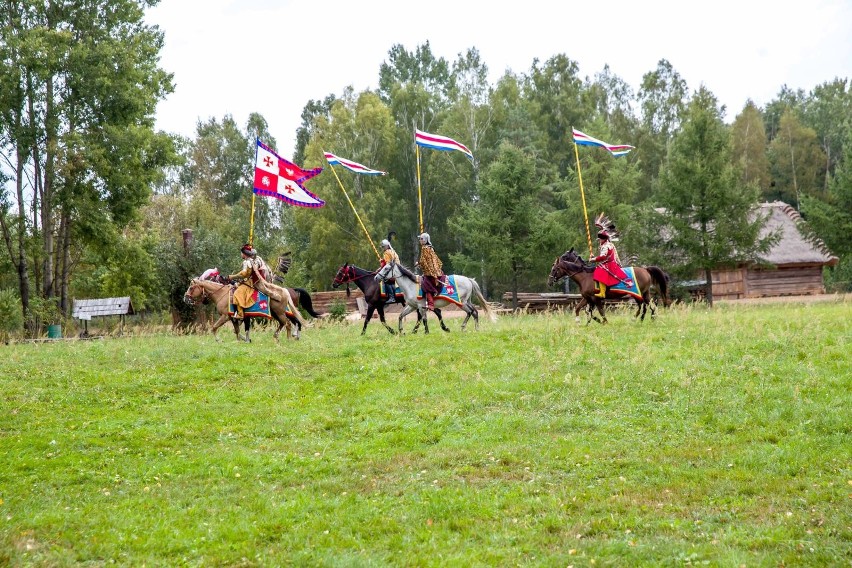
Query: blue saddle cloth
[(623, 288), (260, 308)]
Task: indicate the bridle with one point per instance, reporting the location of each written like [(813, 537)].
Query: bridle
[(561, 262), (389, 274), (348, 275), (204, 294)]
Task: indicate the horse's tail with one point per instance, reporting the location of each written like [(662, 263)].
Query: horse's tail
[(481, 299), (305, 302), (661, 279), (291, 306)]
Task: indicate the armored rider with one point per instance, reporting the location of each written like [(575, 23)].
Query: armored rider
[(431, 266)]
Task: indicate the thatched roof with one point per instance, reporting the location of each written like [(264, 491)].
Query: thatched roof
[(796, 245)]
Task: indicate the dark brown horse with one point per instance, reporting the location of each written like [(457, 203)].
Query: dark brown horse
[(366, 282), (571, 265)]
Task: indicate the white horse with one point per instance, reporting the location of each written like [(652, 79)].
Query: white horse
[(409, 283)]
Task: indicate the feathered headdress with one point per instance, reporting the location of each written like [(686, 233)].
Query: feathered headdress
[(284, 262), (603, 223)]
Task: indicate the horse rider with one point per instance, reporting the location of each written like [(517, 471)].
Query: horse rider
[(388, 254), (608, 272), (431, 266), (252, 270)]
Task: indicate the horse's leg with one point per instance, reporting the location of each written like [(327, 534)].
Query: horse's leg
[(419, 321), (580, 305), (405, 311), (381, 310), (295, 328), (425, 311), (441, 320), (219, 323), (370, 310), (247, 325), (280, 326), (468, 312), (591, 304)]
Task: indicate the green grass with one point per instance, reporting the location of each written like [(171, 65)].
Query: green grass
[(715, 438)]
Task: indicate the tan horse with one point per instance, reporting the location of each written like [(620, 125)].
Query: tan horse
[(218, 294), (571, 265)]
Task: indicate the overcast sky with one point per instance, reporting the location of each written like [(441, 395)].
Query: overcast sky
[(241, 56)]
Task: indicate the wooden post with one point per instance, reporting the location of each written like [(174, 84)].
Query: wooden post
[(187, 241)]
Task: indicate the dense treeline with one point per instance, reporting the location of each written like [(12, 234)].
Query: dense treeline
[(94, 199)]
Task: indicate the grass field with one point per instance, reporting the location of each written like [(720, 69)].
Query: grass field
[(716, 438)]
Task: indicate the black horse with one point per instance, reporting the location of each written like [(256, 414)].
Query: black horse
[(366, 282)]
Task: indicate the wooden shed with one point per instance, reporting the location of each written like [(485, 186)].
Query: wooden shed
[(795, 263), (85, 310)]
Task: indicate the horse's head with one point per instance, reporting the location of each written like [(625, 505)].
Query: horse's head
[(571, 257), (193, 294), (345, 274), (568, 264), (389, 270)]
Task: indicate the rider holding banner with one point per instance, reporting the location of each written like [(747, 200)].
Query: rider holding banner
[(253, 266), (609, 271)]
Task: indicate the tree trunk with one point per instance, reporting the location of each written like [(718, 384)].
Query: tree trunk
[(65, 263), (48, 283), (708, 283)]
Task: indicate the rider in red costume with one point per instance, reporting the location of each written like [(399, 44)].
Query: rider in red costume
[(608, 272)]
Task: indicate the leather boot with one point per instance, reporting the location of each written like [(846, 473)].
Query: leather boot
[(240, 313), (601, 291), (430, 301)]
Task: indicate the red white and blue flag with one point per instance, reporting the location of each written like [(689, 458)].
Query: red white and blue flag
[(437, 142), (585, 140), (279, 178), (352, 166)]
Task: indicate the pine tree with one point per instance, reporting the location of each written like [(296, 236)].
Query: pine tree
[(709, 215)]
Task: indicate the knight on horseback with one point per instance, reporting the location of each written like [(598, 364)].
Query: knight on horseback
[(253, 265), (608, 272), (431, 266), (388, 256)]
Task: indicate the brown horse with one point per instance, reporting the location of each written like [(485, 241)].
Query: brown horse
[(218, 294), (571, 265)]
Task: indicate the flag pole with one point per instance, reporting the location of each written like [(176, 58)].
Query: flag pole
[(251, 224), (583, 196), (419, 193), (356, 213), (253, 195)]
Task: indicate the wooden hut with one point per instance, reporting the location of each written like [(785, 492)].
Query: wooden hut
[(792, 267)]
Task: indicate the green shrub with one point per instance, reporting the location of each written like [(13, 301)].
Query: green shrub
[(11, 317), (337, 310)]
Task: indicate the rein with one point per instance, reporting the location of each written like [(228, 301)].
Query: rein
[(348, 279), (581, 268), (214, 296)]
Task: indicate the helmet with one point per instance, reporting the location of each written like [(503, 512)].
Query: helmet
[(603, 235), (425, 237), (386, 243), (247, 250)]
